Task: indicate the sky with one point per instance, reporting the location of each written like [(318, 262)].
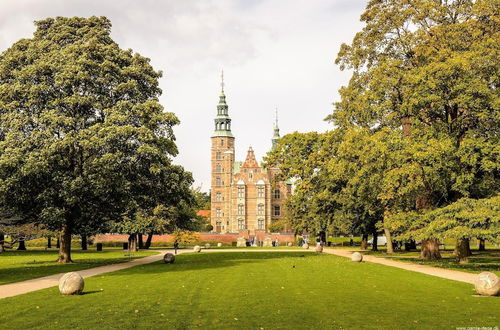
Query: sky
[(274, 53)]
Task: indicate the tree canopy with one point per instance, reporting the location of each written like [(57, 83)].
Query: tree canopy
[(83, 137)]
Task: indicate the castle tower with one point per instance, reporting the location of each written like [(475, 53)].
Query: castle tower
[(222, 160)]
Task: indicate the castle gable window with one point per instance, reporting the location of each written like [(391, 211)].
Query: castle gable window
[(218, 212), (261, 224), (218, 181), (241, 192), (218, 196), (241, 224), (241, 209), (277, 194), (260, 209), (276, 210), (218, 155), (260, 191)]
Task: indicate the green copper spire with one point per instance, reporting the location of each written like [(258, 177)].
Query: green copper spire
[(276, 134), (222, 120)]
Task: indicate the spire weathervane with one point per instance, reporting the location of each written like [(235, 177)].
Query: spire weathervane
[(222, 80)]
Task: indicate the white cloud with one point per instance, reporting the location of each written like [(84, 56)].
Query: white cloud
[(274, 53)]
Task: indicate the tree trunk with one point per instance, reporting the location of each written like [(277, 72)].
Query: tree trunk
[(22, 245), (65, 244), (462, 250), (148, 241), (84, 242), (132, 243), (58, 243), (364, 242), (390, 248), (374, 241), (482, 245), (322, 237), (430, 249), (140, 241), (2, 238), (49, 242)]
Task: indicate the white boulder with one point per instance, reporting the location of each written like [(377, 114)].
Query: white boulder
[(357, 257), (197, 248), (71, 283), (487, 284)]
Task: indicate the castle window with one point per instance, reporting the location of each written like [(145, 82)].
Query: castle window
[(241, 192), (218, 168), (277, 210), (218, 197), (218, 181), (277, 194), (260, 191), (261, 224), (218, 212), (218, 155), (260, 209), (241, 224), (241, 209)]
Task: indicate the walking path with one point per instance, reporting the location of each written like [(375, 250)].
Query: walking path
[(14, 289), (449, 274)]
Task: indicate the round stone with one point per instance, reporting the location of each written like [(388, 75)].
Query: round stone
[(71, 283), (219, 244), (289, 244), (169, 258), (207, 246), (357, 257), (305, 246), (197, 248), (319, 248), (487, 284)]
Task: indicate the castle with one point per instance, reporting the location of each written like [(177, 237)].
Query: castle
[(245, 196)]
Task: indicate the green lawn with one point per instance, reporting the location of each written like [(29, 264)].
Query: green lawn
[(18, 266), (283, 290), (480, 261)]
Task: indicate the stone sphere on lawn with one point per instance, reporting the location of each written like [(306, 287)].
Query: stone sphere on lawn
[(487, 284), (219, 244), (169, 258), (289, 244), (305, 246), (71, 283), (319, 248), (207, 246), (357, 257), (197, 248)]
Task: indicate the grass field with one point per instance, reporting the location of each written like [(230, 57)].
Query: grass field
[(480, 261), (18, 266), (280, 290)]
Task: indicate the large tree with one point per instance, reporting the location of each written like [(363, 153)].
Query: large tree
[(77, 116), (428, 69)]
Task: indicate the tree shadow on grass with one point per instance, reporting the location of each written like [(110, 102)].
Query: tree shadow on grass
[(212, 260)]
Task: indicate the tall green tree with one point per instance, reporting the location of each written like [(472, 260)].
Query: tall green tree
[(428, 69), (78, 115)]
